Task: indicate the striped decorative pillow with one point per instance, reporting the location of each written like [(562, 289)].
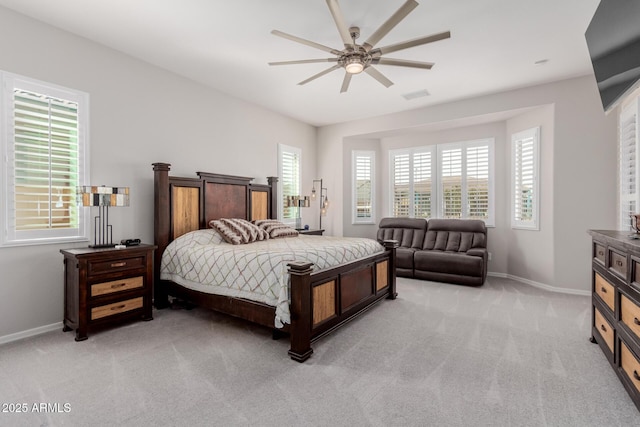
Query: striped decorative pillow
[(276, 228), (238, 231)]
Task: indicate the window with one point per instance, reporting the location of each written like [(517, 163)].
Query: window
[(44, 142), (412, 182), (466, 180), (525, 189), (444, 181), (363, 163), (628, 155), (289, 161)]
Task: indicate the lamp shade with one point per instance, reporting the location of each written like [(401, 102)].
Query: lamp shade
[(103, 196)]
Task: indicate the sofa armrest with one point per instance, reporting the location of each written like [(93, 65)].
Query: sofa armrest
[(479, 252)]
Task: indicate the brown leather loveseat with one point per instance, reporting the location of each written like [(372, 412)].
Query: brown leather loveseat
[(443, 250)]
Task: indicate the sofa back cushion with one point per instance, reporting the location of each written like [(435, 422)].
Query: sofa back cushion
[(409, 232), (455, 235)]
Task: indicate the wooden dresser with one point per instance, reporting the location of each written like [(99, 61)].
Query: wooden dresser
[(616, 304), (105, 286)]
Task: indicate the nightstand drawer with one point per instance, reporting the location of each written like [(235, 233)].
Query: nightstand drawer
[(604, 328), (120, 264), (630, 365), (116, 308), (105, 288), (605, 291), (630, 315)]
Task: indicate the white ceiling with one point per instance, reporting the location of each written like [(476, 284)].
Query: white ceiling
[(494, 46)]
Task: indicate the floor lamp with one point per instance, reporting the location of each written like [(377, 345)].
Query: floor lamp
[(324, 201)]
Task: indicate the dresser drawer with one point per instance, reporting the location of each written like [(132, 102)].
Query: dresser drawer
[(630, 365), (630, 315), (116, 308), (605, 329), (605, 291), (598, 252), (618, 264), (113, 286), (115, 265)]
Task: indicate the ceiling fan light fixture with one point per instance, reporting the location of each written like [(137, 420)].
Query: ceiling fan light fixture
[(354, 65)]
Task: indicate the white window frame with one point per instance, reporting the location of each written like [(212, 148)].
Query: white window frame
[(437, 204), (517, 139), (9, 236), (464, 146), (371, 155), (412, 152), (282, 150), (628, 166)]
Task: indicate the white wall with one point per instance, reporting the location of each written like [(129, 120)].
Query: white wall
[(140, 114), (583, 172), (536, 265)]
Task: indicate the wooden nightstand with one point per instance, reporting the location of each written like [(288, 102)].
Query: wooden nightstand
[(105, 286), (310, 232)]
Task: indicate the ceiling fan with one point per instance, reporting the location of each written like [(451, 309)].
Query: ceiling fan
[(356, 58)]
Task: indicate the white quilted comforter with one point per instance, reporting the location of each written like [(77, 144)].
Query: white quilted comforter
[(202, 261)]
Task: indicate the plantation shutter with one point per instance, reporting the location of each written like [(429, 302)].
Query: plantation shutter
[(451, 182), (478, 182), (525, 197), (363, 187), (44, 145), (422, 184), (45, 162), (401, 185), (628, 165), (290, 181)]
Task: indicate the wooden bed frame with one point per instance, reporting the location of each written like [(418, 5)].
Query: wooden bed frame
[(320, 302)]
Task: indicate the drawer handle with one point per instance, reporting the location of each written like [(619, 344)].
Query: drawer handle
[(603, 289), (636, 376), (619, 263), (601, 253), (119, 264), (118, 285), (636, 321), (603, 328), (120, 307)]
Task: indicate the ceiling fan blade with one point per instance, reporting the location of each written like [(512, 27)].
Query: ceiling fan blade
[(320, 74), (306, 42), (403, 63), (378, 76), (410, 43), (336, 12), (384, 29), (304, 61), (345, 82)]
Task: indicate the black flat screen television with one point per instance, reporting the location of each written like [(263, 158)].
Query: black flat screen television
[(613, 39)]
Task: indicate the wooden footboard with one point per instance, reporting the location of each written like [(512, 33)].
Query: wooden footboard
[(324, 301)]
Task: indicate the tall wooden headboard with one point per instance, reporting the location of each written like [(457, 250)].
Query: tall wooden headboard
[(186, 204)]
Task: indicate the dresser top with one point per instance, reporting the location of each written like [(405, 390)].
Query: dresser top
[(617, 238)]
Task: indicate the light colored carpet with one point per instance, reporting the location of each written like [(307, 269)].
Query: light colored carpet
[(505, 354)]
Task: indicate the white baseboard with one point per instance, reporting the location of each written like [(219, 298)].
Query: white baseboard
[(30, 333), (541, 285)]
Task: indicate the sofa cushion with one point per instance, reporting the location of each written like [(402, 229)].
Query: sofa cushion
[(404, 258), (455, 235), (408, 232), (456, 263)]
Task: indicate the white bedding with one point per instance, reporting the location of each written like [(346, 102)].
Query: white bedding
[(202, 261)]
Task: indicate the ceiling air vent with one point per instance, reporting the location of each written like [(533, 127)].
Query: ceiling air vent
[(417, 94)]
